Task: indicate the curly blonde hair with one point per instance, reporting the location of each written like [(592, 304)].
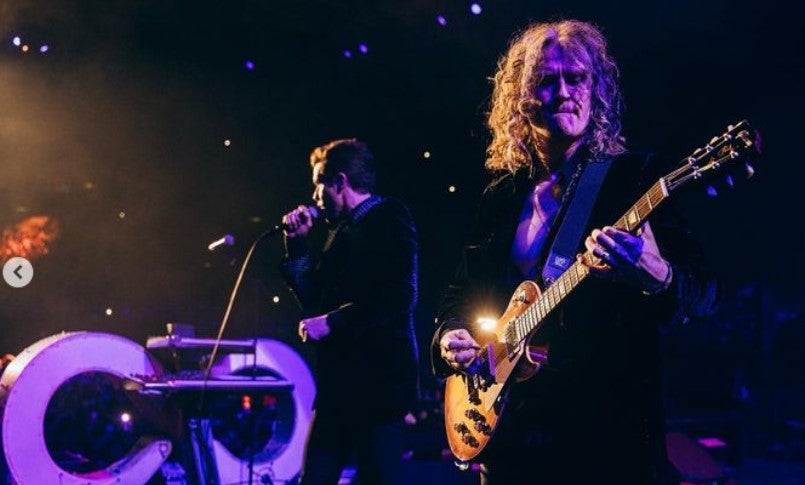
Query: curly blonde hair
[(515, 143)]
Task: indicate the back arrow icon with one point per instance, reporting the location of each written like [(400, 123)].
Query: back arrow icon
[(17, 271)]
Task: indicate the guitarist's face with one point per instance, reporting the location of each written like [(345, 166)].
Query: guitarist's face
[(563, 91)]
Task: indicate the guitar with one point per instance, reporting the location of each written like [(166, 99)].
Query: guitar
[(475, 401)]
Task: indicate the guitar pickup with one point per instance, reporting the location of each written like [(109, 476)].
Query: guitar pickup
[(482, 373)]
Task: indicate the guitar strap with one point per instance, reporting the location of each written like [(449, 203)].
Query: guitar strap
[(568, 236)]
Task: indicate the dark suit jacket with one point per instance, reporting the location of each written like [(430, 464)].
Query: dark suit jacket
[(366, 282)]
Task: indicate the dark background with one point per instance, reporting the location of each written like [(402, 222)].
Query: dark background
[(129, 108)]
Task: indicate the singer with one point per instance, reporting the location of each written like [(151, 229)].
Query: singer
[(361, 289)]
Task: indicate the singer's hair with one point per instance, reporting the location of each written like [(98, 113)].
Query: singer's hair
[(350, 156), (514, 142)]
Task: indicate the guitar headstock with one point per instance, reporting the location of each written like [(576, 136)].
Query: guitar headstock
[(729, 155)]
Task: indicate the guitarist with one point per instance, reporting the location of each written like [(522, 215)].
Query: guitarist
[(593, 413)]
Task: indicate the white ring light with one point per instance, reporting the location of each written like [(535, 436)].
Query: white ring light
[(33, 377), (285, 463)]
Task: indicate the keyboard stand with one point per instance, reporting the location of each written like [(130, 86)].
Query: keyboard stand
[(190, 395)]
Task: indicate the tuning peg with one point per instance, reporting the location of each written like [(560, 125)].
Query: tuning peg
[(729, 181), (711, 191), (750, 170)]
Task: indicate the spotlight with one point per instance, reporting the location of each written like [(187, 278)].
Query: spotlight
[(486, 323)]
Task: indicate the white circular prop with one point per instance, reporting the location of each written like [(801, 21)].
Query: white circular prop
[(34, 376), (281, 458)]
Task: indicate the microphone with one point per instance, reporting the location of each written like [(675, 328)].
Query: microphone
[(227, 240), (314, 212)]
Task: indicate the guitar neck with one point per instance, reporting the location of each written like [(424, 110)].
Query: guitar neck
[(519, 328)]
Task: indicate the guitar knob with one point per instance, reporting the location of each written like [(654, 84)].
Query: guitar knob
[(483, 428), (461, 429), (474, 415), (470, 440)]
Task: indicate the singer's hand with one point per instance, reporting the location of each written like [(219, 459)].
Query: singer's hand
[(315, 328), (298, 222)]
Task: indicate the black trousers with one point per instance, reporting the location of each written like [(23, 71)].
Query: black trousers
[(591, 459), (335, 440)]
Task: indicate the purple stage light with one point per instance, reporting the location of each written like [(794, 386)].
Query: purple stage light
[(476, 8), (712, 442), (363, 48), (44, 48), (347, 53), (441, 20), (249, 65)]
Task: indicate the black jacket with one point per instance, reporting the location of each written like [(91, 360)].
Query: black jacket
[(366, 282), (603, 369)]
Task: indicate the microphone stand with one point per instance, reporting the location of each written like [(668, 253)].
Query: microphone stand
[(229, 306), (269, 232)]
